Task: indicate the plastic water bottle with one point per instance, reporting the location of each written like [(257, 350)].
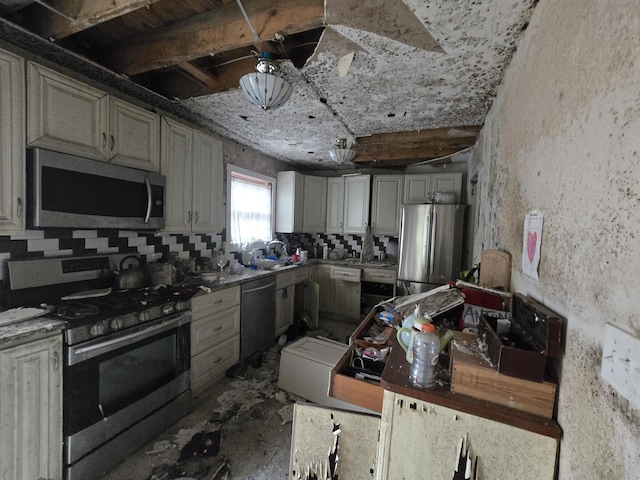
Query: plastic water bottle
[(426, 354)]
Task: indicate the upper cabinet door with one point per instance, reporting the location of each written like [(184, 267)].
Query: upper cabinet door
[(356, 204), (417, 188), (64, 114), (12, 183), (208, 204), (315, 204), (386, 201), (421, 188), (134, 136), (448, 183), (177, 165), (335, 204), (289, 201)]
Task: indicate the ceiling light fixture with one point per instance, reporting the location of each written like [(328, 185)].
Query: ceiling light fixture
[(264, 88), (342, 154)]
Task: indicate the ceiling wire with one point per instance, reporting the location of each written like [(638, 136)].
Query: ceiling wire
[(433, 160), (253, 30)]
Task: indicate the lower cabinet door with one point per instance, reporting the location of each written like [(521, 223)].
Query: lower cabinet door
[(209, 366), (31, 410), (285, 298), (418, 437)]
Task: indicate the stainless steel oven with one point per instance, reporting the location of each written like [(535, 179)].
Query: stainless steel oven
[(122, 389), (127, 356)]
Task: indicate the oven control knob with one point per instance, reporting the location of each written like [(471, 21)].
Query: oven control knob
[(179, 306), (168, 309), (144, 316), (96, 329), (116, 324)]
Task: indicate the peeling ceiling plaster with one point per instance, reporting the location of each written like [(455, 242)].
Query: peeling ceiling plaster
[(389, 86)]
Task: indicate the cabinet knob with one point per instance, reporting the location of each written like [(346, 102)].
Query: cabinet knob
[(104, 140), (113, 142), (19, 210), (56, 361)]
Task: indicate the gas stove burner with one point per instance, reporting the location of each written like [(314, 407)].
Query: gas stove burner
[(74, 311)]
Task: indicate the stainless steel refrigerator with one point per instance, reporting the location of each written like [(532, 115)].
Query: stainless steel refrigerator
[(430, 246)]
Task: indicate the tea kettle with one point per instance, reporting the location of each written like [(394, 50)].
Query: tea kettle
[(130, 278)]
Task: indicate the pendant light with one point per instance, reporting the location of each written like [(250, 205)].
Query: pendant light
[(264, 88), (341, 153)]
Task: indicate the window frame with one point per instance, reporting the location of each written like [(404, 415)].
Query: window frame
[(231, 169)]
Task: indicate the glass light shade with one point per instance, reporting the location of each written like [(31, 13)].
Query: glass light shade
[(342, 155), (265, 90)]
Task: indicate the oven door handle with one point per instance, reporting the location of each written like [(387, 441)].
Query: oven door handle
[(81, 353)]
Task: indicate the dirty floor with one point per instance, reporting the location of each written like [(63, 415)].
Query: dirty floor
[(240, 429)]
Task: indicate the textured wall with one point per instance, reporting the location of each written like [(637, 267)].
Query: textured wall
[(562, 137)]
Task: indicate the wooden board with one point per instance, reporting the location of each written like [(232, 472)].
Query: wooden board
[(495, 269), (473, 375)]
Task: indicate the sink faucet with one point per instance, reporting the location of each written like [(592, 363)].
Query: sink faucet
[(277, 242)]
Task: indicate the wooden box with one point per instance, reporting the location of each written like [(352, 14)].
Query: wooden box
[(534, 334), (472, 374)]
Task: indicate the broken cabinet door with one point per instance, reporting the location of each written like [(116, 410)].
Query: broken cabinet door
[(328, 443)]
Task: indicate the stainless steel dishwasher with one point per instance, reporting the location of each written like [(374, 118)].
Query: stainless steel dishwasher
[(258, 316)]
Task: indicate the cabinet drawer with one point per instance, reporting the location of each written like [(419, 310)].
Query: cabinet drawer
[(209, 331), (346, 274), (204, 305), (284, 279), (379, 276), (349, 389), (209, 366)]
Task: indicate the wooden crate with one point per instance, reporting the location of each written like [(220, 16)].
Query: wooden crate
[(473, 375)]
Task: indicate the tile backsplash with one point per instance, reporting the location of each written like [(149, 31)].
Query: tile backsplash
[(65, 242)]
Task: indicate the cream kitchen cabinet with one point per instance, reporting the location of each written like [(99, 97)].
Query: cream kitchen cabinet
[(285, 301), (31, 410), (322, 276), (215, 336), (417, 437), (386, 201), (348, 204), (315, 204), (69, 116), (289, 201), (335, 204), (421, 188), (356, 204), (12, 138), (192, 163), (346, 291)]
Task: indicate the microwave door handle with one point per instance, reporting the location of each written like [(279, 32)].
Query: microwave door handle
[(149, 200)]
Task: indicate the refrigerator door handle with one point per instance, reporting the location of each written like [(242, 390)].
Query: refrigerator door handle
[(432, 241)]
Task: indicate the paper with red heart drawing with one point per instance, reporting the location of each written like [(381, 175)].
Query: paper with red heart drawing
[(531, 244)]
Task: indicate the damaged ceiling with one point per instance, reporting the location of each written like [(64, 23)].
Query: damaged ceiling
[(402, 81)]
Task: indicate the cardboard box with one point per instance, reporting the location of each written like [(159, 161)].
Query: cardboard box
[(534, 334), (472, 374)]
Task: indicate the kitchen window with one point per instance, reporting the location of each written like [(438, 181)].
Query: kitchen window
[(251, 206)]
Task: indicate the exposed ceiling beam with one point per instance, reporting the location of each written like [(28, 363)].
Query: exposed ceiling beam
[(215, 31), (420, 144), (87, 13)]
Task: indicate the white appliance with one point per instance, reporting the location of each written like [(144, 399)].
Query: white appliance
[(305, 370)]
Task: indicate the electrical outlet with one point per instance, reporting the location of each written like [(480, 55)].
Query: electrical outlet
[(621, 362)]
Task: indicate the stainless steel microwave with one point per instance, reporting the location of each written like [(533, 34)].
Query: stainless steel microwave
[(68, 191)]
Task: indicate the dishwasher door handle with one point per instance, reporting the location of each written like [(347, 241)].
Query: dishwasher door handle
[(257, 289)]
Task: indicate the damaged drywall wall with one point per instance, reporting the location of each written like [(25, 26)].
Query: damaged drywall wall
[(561, 137)]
